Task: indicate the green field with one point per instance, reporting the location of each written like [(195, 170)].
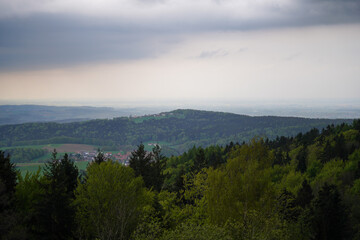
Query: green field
[(33, 167), (33, 146)]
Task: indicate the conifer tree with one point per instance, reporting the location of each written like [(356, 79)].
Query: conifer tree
[(55, 214), (330, 215), (304, 195), (8, 215), (199, 161), (149, 165), (327, 152), (301, 157)]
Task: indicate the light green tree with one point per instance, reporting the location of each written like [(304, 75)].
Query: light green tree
[(242, 192), (110, 202)]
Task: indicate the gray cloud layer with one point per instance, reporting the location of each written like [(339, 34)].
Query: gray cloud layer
[(37, 34)]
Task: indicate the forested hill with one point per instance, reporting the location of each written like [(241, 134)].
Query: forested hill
[(178, 129), (17, 114)]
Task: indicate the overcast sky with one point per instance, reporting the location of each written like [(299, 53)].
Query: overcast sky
[(179, 50)]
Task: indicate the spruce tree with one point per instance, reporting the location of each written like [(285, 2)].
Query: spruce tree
[(304, 195), (149, 165), (199, 161), (330, 216), (301, 157), (9, 221), (55, 214), (157, 166)]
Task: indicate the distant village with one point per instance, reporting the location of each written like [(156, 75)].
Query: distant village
[(89, 156)]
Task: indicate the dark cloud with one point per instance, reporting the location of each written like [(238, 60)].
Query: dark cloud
[(48, 41), (330, 11), (52, 40)]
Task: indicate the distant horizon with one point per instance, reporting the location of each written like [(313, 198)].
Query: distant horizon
[(115, 103), (304, 108)]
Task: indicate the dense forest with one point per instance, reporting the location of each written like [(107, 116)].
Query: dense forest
[(21, 155), (302, 187), (178, 130), (16, 114)]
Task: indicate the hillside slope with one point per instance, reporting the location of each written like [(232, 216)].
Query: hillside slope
[(178, 129)]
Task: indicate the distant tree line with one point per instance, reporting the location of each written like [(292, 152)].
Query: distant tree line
[(182, 129), (21, 155)]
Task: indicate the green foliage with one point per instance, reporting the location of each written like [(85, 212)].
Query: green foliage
[(21, 155), (195, 231), (30, 193), (110, 203), (243, 185)]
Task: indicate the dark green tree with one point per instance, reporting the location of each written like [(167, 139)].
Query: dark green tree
[(140, 161), (199, 161), (330, 216), (304, 195), (7, 174), (327, 153), (287, 158), (287, 206), (279, 159), (356, 124), (157, 166), (301, 157), (149, 165), (179, 181), (340, 147), (9, 220), (55, 214)]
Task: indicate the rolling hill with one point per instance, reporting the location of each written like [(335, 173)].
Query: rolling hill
[(176, 130)]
